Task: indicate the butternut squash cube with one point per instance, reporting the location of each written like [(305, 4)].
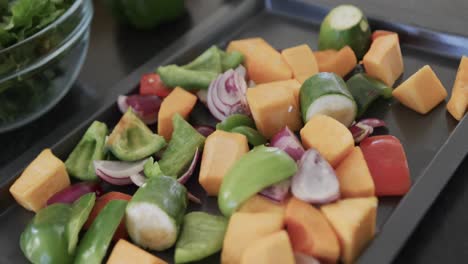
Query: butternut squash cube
[(125, 252), (178, 101), (290, 85), (274, 248), (458, 103), (302, 62), (383, 60), (263, 62), (340, 62), (328, 136), (244, 229), (222, 149), (273, 109), (422, 91), (260, 204), (44, 176), (354, 176), (354, 222)]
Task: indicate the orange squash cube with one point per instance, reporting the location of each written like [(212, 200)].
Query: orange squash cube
[(340, 62), (260, 204), (274, 248), (458, 103), (302, 62), (125, 252)]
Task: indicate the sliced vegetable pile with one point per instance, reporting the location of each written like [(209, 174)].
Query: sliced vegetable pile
[(283, 199)]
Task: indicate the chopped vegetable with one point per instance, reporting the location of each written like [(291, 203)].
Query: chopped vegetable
[(253, 136), (315, 181), (181, 149), (263, 62), (138, 179), (186, 176), (155, 213), (221, 151), (354, 176), (366, 90), (274, 248), (365, 128), (231, 60), (202, 235), (79, 214), (114, 181), (458, 103), (261, 204), (119, 169), (422, 91), (244, 229), (205, 130), (101, 202), (132, 140), (273, 108), (287, 141), (175, 76), (45, 176), (44, 238), (357, 231), (304, 259), (381, 33), (310, 232), (178, 102), (125, 252), (341, 61), (387, 164), (384, 60), (93, 246), (73, 192), (244, 179), (277, 192), (235, 120), (290, 85), (146, 107), (209, 60), (91, 147), (327, 94), (151, 84), (151, 168), (302, 62), (345, 25), (226, 95), (332, 140)]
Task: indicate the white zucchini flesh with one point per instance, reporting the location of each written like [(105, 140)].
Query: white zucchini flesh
[(340, 107), (346, 16)]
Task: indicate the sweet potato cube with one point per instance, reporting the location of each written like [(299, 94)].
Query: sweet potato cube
[(310, 232), (244, 229), (273, 109), (263, 62), (329, 137), (178, 101), (458, 103), (354, 222), (260, 204), (422, 91), (125, 252), (340, 62), (274, 248), (354, 176), (302, 62), (222, 149), (44, 176), (383, 60)]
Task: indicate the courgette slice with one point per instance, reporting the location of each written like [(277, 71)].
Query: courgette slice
[(345, 25), (326, 93), (366, 90)]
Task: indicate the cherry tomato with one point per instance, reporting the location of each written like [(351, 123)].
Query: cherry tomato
[(151, 84)]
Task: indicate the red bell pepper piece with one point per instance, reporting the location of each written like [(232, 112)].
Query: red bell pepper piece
[(151, 84)]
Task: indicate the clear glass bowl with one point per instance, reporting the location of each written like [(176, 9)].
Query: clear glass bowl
[(38, 71)]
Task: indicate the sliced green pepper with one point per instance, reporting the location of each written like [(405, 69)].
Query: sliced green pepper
[(253, 136), (202, 235), (366, 90), (132, 140), (93, 246), (91, 147), (210, 60), (44, 241), (181, 149), (79, 214), (231, 60), (151, 168), (235, 120), (173, 76), (261, 167)]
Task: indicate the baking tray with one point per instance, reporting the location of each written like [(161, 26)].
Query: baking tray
[(435, 143)]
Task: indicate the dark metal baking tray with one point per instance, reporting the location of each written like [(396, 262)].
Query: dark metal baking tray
[(435, 143)]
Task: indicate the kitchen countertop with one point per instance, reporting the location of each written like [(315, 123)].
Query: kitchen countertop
[(115, 51)]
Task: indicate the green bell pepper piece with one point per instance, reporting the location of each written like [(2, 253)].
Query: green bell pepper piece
[(260, 168), (366, 89), (231, 60), (80, 211), (173, 76), (202, 235), (132, 140), (151, 168), (253, 136), (93, 246), (210, 61), (91, 147), (44, 241), (181, 149), (235, 120)]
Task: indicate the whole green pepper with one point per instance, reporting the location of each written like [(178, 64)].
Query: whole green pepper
[(44, 241), (93, 246), (91, 147), (253, 136), (235, 120), (260, 168)]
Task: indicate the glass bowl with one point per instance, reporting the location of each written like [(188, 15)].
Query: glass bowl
[(37, 72)]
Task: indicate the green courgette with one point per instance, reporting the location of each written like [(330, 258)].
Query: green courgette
[(366, 90)]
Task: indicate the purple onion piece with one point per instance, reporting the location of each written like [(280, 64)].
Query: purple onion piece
[(112, 180), (74, 192), (203, 96), (287, 141), (315, 181), (241, 71), (186, 176), (138, 179), (193, 198), (365, 128), (145, 106), (373, 122), (205, 130), (277, 192), (119, 169)]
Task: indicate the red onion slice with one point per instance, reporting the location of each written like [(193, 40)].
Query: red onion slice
[(138, 179), (315, 181), (74, 192), (203, 96), (186, 176), (287, 141), (145, 106), (305, 259), (205, 130), (193, 198), (112, 180), (277, 192), (119, 169), (241, 71), (365, 128), (373, 122)]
